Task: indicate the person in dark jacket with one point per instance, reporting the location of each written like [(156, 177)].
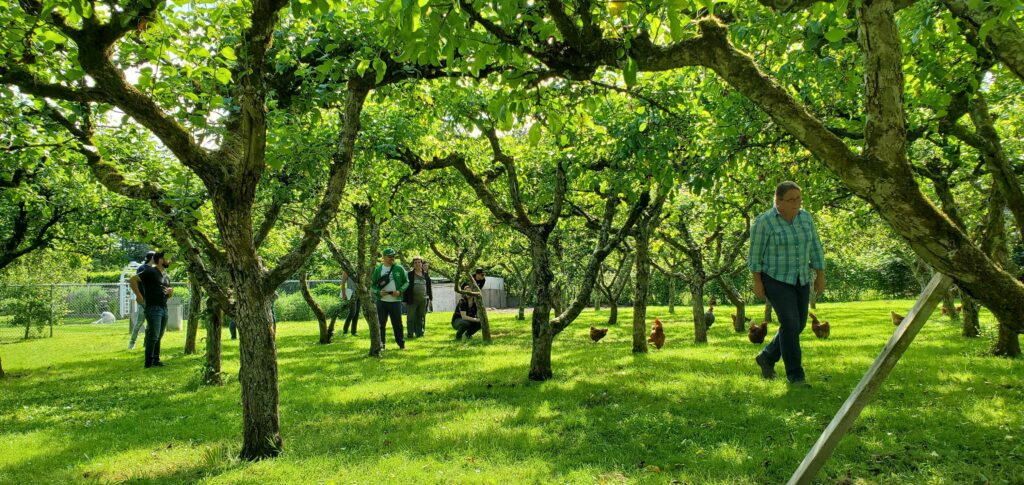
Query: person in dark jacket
[(465, 321), (155, 292), (480, 278), (415, 298)]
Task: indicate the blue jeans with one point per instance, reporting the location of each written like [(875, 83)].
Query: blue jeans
[(156, 320), (790, 305), (140, 317), (391, 309)]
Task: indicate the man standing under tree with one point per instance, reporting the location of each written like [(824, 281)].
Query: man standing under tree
[(140, 312), (389, 282), (155, 292)]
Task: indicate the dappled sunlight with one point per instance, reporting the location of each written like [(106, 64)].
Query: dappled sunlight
[(464, 412)]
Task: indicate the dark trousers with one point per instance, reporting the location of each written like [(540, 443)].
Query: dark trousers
[(156, 318), (353, 315), (416, 317), (232, 328), (465, 327), (790, 305), (391, 309)]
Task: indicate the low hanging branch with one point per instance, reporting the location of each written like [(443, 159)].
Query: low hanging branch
[(464, 261)]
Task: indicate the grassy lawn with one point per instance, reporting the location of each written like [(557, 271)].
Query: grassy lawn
[(80, 408)]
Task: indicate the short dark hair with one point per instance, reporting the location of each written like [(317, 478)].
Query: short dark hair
[(478, 271), (157, 256), (149, 255), (783, 187)]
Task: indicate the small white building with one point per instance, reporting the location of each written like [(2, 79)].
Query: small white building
[(445, 296)]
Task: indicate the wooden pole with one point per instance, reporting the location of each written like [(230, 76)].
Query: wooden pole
[(873, 379)]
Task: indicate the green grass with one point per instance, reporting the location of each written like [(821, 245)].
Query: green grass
[(80, 408)]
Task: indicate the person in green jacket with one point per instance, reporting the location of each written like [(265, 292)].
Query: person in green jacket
[(388, 283)]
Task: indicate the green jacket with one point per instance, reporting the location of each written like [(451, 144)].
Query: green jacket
[(397, 273)]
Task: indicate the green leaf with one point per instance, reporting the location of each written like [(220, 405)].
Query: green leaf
[(223, 75), (228, 53), (380, 68), (53, 37), (534, 135), (629, 72), (835, 34), (362, 66)]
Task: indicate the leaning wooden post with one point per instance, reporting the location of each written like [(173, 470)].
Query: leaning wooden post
[(872, 381)]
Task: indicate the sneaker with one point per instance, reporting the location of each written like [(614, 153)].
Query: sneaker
[(131, 345), (800, 384), (159, 364), (767, 370)]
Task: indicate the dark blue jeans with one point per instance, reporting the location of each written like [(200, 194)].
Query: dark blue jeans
[(353, 315), (156, 319), (391, 309), (790, 305)]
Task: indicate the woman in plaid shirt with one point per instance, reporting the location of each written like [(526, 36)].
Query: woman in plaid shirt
[(784, 248)]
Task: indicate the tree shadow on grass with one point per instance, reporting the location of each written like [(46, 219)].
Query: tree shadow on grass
[(695, 414)]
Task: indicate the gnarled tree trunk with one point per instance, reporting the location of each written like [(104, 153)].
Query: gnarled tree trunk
[(367, 233), (214, 326), (970, 326), (195, 310), (740, 322), (700, 328), (258, 357), (540, 357), (949, 305), (641, 287), (321, 317), (671, 295)]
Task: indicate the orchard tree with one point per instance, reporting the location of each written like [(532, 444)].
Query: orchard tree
[(212, 101), (867, 148)]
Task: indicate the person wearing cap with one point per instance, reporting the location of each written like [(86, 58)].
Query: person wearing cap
[(388, 283), (415, 298), (140, 315), (479, 277), (157, 289)]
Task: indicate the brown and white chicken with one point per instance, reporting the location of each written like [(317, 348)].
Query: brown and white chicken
[(657, 336), (757, 333), (820, 329)]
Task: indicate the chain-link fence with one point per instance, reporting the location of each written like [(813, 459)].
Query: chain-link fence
[(34, 311)]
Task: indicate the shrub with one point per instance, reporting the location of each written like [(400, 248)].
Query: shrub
[(103, 277), (292, 307)]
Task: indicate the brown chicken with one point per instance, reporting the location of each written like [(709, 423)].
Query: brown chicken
[(960, 308), (945, 311), (597, 333), (896, 318), (657, 334), (820, 329), (757, 333), (745, 322)]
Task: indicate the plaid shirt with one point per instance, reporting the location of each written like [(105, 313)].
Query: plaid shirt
[(783, 250)]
